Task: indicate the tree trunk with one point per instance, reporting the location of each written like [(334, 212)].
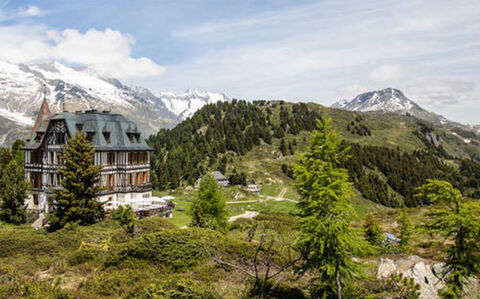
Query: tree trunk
[(337, 279)]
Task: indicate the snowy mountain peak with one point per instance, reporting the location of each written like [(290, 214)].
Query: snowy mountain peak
[(185, 104), (22, 89), (388, 100), (340, 104)]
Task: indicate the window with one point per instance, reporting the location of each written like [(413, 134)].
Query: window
[(38, 137), (106, 135), (79, 127), (90, 136), (110, 182), (35, 199), (111, 158), (130, 137), (137, 136)]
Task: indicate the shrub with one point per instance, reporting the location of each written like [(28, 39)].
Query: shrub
[(175, 249), (153, 225), (83, 255), (179, 287)]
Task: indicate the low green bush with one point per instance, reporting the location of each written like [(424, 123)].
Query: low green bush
[(175, 249), (83, 255), (179, 287), (152, 225)]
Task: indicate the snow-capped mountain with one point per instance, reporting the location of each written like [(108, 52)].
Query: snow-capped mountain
[(185, 104), (22, 88), (388, 100)]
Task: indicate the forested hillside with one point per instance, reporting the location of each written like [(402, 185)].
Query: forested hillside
[(391, 155)]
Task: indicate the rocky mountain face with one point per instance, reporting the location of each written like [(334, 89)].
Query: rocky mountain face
[(389, 100), (22, 88)]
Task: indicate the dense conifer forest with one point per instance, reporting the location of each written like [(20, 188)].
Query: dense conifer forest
[(385, 175)]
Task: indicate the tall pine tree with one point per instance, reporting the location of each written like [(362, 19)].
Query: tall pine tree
[(327, 241), (13, 191), (76, 200)]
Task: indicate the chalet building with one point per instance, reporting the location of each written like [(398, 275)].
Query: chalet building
[(119, 148), (221, 180)]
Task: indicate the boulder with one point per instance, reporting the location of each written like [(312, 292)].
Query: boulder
[(423, 275), (386, 267)]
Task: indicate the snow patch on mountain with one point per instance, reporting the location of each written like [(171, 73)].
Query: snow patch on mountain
[(17, 117), (389, 100), (186, 104)]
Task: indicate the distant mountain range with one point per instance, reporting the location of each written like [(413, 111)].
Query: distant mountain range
[(389, 100), (22, 88)]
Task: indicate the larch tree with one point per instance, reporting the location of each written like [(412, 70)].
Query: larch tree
[(372, 229), (405, 231), (327, 242), (457, 221), (209, 209), (13, 191), (76, 200)]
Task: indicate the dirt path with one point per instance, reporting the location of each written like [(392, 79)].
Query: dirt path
[(247, 214), (242, 201), (281, 194)]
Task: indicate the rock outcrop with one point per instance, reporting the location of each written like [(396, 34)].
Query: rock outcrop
[(424, 272)]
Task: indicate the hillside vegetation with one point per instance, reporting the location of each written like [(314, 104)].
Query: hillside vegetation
[(391, 154)]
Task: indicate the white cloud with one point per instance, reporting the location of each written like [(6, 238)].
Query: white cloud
[(21, 13), (439, 92), (21, 43), (107, 51), (31, 11), (387, 73)]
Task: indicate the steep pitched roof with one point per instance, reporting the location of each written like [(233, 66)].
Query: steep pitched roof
[(43, 115), (108, 131)]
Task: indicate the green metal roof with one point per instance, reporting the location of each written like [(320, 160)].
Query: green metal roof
[(99, 124)]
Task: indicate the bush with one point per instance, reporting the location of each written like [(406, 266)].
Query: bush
[(83, 255), (27, 241), (153, 225), (242, 224), (179, 287), (174, 249)]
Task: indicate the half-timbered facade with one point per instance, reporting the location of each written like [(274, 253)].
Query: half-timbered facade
[(120, 149)]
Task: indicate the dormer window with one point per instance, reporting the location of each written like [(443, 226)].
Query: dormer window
[(131, 137), (90, 136), (106, 135), (137, 136), (38, 137), (79, 127)]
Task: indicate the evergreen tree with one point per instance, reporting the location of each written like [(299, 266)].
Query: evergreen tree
[(457, 220), (13, 191), (76, 200), (126, 217), (283, 147), (405, 231), (327, 242), (17, 152), (372, 229), (5, 158), (209, 209)]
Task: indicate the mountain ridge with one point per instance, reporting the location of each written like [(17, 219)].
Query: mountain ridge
[(389, 100), (23, 87)]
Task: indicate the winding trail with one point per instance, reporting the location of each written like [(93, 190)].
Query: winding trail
[(247, 214)]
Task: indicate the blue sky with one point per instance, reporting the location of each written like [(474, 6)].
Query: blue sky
[(318, 51)]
